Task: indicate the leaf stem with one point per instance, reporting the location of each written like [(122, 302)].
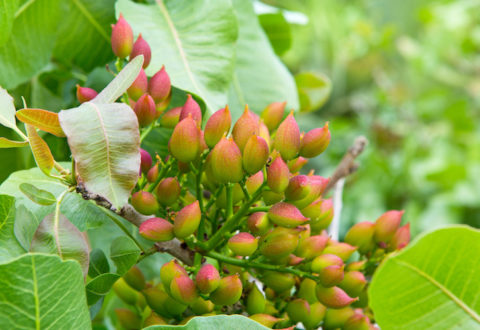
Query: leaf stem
[(229, 210), (147, 131), (259, 209)]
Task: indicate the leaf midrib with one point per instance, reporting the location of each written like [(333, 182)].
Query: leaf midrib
[(91, 19), (446, 291)]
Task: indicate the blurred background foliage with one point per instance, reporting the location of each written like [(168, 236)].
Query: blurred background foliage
[(404, 74)]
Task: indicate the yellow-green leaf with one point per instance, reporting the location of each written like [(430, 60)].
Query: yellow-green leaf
[(6, 143), (42, 119), (41, 151)]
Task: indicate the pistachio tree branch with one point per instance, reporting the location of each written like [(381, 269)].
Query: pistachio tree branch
[(347, 165)]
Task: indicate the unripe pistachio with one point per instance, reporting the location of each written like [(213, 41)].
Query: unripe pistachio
[(293, 260), (159, 301), (356, 265), (315, 142), (183, 289), (343, 250), (168, 191), (278, 282), (228, 292), (401, 238), (134, 277), (152, 173), (122, 38), (169, 271), (187, 220), (255, 301), (317, 186), (226, 161), (298, 187), (357, 322), (331, 275), (320, 213), (153, 319), (184, 143), (272, 115), (278, 175), (317, 313), (144, 202), (298, 310), (162, 106), (207, 278), (171, 118), (278, 244), (336, 318), (217, 125), (138, 87), (325, 260), (191, 108), (145, 110), (287, 138), (246, 126), (141, 47), (159, 86), (254, 182), (361, 235), (353, 283), (145, 161), (307, 290), (258, 223), (85, 94), (333, 297), (286, 215), (156, 229), (125, 292), (296, 164), (266, 320), (128, 319), (386, 225), (201, 306), (269, 197), (255, 154), (263, 132), (312, 246), (243, 244)]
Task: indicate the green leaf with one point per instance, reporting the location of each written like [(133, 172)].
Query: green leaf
[(84, 33), (224, 322), (38, 196), (41, 152), (7, 16), (313, 90), (278, 31), (6, 143), (433, 283), (83, 214), (124, 254), (260, 78), (25, 226), (121, 82), (7, 109), (57, 235), (9, 246), (195, 40), (40, 292), (100, 286), (98, 263), (104, 141), (30, 46)]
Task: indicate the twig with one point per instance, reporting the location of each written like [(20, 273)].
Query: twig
[(347, 165)]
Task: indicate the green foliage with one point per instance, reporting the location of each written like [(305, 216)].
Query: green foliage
[(37, 301), (124, 253), (431, 284), (227, 322), (10, 247)]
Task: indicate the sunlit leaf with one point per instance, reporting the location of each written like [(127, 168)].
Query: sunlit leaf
[(38, 196), (278, 31), (7, 16), (42, 119), (41, 151), (7, 109), (104, 141), (314, 90), (6, 143)]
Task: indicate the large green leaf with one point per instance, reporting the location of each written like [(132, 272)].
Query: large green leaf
[(104, 141), (195, 40), (432, 284), (84, 33), (260, 78), (9, 246), (224, 322), (7, 15), (124, 253), (57, 235), (100, 286), (25, 226), (83, 214), (30, 46), (278, 31), (42, 292)]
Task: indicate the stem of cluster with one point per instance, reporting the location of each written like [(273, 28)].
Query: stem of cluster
[(199, 192), (229, 209), (259, 209), (147, 131)]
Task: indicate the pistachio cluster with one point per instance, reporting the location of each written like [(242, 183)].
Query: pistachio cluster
[(236, 197)]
